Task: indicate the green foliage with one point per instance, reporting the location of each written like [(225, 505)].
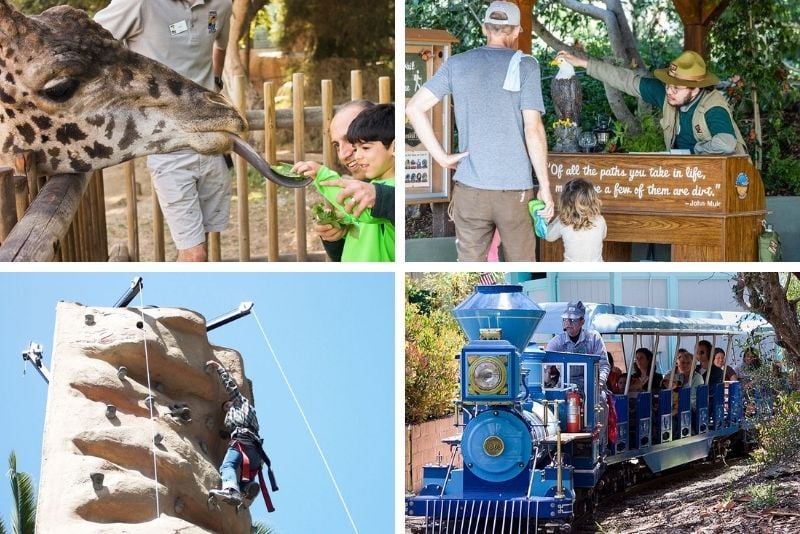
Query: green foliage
[(757, 40), (23, 516), (431, 371), (763, 495), (650, 138), (432, 340), (779, 436), (619, 135), (358, 29), (462, 18), (34, 7), (261, 528)]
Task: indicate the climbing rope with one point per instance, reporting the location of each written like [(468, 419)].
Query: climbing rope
[(305, 420), (151, 397)]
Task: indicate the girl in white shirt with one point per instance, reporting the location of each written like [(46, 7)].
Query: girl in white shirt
[(579, 222)]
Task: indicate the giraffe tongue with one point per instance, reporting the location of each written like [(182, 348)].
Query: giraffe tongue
[(253, 158)]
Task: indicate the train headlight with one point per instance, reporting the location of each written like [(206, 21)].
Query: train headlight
[(488, 376)]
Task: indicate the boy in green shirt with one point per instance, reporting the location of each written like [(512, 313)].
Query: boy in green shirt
[(368, 238)]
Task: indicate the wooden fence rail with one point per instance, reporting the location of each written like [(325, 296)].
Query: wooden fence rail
[(63, 218)]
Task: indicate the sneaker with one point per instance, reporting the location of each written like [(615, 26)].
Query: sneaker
[(251, 490), (229, 495)]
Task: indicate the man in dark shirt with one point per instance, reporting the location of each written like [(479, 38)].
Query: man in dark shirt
[(695, 116)]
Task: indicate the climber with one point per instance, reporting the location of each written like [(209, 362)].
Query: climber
[(244, 450)]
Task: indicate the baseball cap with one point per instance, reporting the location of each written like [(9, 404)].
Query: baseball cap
[(575, 310), (511, 11)]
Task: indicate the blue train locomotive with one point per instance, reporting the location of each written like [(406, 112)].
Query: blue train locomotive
[(535, 445)]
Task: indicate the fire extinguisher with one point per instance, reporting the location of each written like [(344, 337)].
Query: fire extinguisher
[(574, 402)]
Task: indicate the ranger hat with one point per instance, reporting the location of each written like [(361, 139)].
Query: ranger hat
[(511, 12), (575, 310), (687, 70)]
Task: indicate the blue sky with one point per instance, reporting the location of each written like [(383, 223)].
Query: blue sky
[(333, 334)]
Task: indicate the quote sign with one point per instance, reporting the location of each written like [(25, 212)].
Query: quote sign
[(666, 184)]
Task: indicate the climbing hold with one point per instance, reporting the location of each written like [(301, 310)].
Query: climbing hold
[(111, 411), (97, 480), (150, 401), (179, 505), (158, 438), (139, 325), (122, 372), (186, 414), (89, 319), (208, 368)]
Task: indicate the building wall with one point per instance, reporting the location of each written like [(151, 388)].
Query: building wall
[(424, 446)]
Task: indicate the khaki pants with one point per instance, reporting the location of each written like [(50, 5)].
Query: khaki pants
[(477, 212)]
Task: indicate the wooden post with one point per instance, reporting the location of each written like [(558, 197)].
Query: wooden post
[(21, 195), (214, 246), (384, 90), (101, 201), (36, 236), (132, 210), (241, 178), (159, 251), (298, 100), (8, 206), (356, 85), (271, 154), (327, 115), (525, 41)]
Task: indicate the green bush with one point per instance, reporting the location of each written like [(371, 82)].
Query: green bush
[(779, 436), (432, 340), (649, 139)]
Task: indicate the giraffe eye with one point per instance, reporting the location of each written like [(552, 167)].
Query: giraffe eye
[(60, 89)]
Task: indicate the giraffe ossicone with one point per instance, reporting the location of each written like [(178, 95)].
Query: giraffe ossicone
[(81, 101)]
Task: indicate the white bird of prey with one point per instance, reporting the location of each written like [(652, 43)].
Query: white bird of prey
[(565, 90)]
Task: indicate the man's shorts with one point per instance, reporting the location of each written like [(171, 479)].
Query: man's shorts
[(194, 192)]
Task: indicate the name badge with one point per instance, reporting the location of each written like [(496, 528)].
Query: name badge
[(178, 27)]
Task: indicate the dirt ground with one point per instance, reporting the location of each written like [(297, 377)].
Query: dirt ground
[(725, 499), (116, 218)]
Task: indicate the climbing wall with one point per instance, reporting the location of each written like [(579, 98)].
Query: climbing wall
[(98, 471)]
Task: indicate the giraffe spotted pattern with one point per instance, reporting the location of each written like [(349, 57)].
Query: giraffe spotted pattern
[(82, 101)]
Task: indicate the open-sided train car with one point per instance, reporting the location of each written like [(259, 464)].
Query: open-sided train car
[(534, 437)]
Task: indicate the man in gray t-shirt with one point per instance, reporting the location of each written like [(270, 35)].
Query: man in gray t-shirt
[(500, 136), (193, 189)]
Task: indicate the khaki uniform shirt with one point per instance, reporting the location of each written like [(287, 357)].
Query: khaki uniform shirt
[(180, 34)]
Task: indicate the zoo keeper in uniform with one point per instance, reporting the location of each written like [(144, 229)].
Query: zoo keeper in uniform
[(194, 190), (695, 115)]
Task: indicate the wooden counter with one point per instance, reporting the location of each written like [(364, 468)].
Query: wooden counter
[(692, 203)]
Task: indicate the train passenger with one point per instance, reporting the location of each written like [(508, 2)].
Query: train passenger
[(643, 360), (613, 376), (750, 362), (715, 375), (687, 375), (719, 361)]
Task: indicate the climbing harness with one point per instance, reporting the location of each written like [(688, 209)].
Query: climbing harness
[(305, 420), (249, 474)]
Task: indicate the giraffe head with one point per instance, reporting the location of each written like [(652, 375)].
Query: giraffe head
[(81, 101)]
